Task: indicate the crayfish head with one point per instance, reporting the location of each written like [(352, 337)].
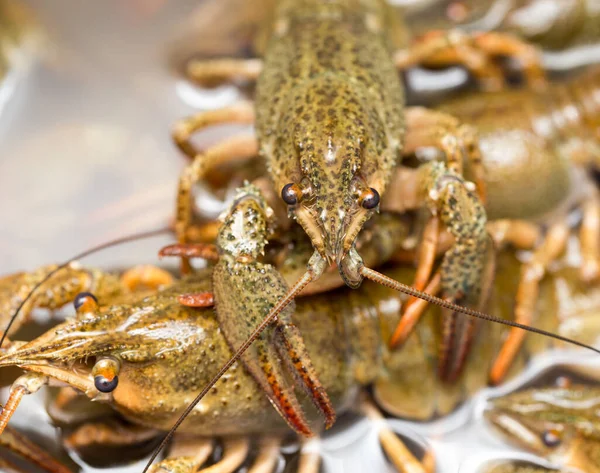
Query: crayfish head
[(78, 353), (145, 358), (341, 163), (246, 224), (543, 420), (333, 219), (97, 351)]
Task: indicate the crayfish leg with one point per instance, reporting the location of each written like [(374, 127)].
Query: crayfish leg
[(397, 452), (29, 383), (458, 207), (145, 276), (310, 458), (234, 149), (453, 203), (589, 236), (268, 455), (235, 451), (201, 299), (24, 448), (188, 455), (413, 313), (476, 52), (112, 432), (427, 255), (205, 251), (527, 293), (214, 72), (51, 287)]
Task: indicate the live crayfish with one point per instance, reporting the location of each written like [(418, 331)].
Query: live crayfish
[(559, 423), (330, 128), (556, 25), (330, 123), (334, 246), (161, 351), (328, 116), (551, 134), (141, 340)]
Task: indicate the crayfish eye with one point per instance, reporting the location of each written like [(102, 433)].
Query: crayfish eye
[(369, 199), (104, 385), (85, 301), (106, 374), (291, 194), (551, 438)]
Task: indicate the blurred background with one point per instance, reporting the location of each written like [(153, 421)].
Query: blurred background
[(85, 127)]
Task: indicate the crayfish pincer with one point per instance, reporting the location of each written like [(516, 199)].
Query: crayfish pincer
[(244, 290), (147, 352)]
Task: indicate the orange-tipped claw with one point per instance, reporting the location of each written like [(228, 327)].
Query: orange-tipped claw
[(239, 314), (291, 349), (282, 393)]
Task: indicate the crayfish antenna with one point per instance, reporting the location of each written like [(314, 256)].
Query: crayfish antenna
[(413, 314), (95, 249), (398, 286)]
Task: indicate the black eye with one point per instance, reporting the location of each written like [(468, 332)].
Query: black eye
[(290, 194), (104, 385), (82, 298), (551, 438), (369, 199)]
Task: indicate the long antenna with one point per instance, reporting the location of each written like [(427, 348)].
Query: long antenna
[(369, 274), (398, 286), (95, 249)]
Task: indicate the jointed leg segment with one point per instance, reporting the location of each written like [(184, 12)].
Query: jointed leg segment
[(475, 51), (27, 384), (213, 72), (238, 148), (60, 289), (22, 446), (454, 204), (531, 274), (401, 457)]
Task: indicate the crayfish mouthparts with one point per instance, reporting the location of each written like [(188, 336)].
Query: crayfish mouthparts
[(350, 265)]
